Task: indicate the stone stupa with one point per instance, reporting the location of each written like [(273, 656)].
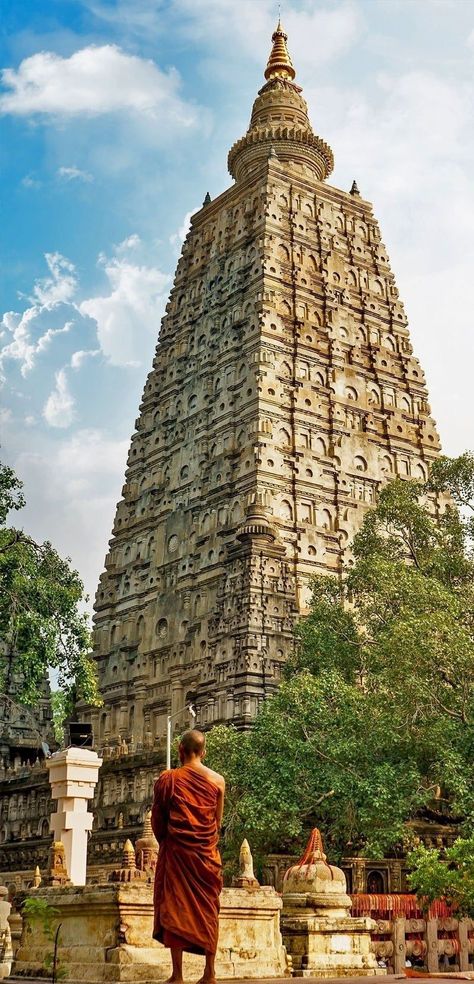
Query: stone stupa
[(321, 936)]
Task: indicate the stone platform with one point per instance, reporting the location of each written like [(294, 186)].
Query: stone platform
[(106, 937)]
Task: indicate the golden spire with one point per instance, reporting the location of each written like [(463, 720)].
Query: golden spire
[(279, 64)]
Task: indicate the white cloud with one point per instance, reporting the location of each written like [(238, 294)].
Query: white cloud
[(336, 28), (74, 174), (93, 81), (89, 454), (131, 242), (78, 358), (178, 237), (122, 323), (76, 510), (60, 286), (128, 315), (470, 39), (314, 34), (29, 182), (409, 142), (59, 407), (30, 333)]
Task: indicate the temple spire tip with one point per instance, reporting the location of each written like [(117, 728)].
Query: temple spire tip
[(279, 65)]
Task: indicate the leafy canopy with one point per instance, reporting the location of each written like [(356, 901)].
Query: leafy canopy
[(41, 624), (374, 721), (448, 874)]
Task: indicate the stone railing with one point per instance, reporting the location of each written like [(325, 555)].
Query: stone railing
[(405, 936)]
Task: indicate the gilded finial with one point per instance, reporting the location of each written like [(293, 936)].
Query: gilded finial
[(279, 65)]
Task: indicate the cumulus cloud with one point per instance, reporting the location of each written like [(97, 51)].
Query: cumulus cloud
[(74, 174), (128, 315), (60, 286), (121, 323), (50, 314), (79, 358), (93, 81), (131, 242), (58, 410)]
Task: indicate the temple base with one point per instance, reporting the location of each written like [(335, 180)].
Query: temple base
[(329, 947), (106, 936)]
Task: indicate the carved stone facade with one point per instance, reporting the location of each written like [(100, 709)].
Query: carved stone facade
[(284, 391), (23, 730)]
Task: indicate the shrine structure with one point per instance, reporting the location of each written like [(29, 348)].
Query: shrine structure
[(284, 392)]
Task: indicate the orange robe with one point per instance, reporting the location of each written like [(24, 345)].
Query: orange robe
[(188, 876)]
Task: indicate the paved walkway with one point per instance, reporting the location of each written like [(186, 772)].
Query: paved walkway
[(389, 979)]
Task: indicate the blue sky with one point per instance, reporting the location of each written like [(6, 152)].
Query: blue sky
[(116, 119)]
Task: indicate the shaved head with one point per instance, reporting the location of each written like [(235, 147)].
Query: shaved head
[(193, 742)]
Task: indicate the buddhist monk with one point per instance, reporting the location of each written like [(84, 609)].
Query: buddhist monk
[(186, 820)]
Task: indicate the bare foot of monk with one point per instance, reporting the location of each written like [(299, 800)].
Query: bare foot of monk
[(174, 980), (207, 980)]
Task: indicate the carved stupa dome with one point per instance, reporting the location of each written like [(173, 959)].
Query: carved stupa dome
[(256, 523), (312, 881), (280, 122)]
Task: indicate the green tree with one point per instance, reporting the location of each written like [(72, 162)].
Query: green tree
[(449, 874), (374, 721), (41, 624)]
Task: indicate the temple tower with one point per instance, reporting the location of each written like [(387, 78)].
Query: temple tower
[(283, 392)]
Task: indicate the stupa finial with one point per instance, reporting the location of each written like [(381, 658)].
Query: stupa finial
[(279, 65)]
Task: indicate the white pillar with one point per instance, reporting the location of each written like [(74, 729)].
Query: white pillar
[(73, 775)]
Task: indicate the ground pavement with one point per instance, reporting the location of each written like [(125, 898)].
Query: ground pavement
[(388, 979)]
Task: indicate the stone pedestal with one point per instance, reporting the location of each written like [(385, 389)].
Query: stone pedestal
[(106, 936), (322, 947), (321, 936), (73, 775)]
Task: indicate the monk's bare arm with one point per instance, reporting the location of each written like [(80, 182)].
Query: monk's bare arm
[(220, 805), (159, 818)]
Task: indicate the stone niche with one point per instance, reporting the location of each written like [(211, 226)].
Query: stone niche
[(106, 936), (322, 938)]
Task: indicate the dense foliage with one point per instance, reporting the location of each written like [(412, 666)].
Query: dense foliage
[(375, 719), (41, 623), (448, 874)]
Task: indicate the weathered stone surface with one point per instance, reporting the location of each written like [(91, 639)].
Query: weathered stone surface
[(321, 936), (284, 391), (6, 951), (106, 936), (246, 877), (73, 774)]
